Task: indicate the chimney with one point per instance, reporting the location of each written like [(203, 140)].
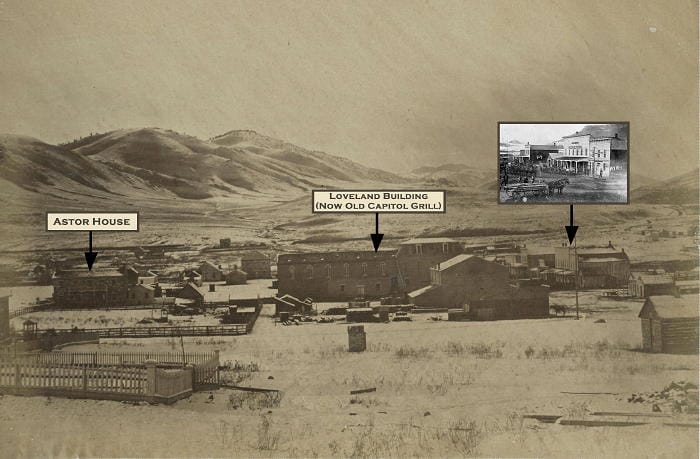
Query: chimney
[(212, 287), (610, 244)]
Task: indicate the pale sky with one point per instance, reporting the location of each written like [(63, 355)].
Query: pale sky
[(396, 84), (538, 133)]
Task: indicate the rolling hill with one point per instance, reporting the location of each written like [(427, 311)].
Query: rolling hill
[(162, 164), (683, 189)]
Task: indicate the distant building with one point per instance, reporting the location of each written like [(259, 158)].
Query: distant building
[(256, 265), (597, 267), (141, 294), (416, 256), (236, 276), (642, 285), (338, 275), (191, 276), (539, 153), (90, 289), (591, 154), (670, 324), (225, 243), (220, 294), (291, 305), (482, 289), (210, 272), (4, 316)]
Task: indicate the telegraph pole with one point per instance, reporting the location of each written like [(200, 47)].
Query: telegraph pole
[(576, 280)]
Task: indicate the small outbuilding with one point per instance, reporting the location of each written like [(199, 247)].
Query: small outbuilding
[(236, 276), (670, 324)]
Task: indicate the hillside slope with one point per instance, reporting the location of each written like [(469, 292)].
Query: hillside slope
[(683, 189)]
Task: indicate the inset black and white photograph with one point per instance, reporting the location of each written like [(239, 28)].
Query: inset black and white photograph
[(543, 163)]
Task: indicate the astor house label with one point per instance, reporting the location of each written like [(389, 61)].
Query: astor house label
[(375, 201), (92, 221)]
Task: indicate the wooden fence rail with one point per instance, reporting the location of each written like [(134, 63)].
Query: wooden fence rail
[(19, 376), (24, 310), (155, 332), (151, 376), (146, 382), (111, 358)]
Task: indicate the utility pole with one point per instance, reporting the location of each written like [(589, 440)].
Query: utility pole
[(576, 279)]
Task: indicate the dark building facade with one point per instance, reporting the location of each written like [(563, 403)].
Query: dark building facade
[(416, 256), (90, 289), (597, 267), (483, 290), (670, 324), (256, 264), (339, 275)]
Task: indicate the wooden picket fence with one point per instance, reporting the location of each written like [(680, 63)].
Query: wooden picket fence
[(112, 358), (23, 377), (154, 377), (164, 332), (206, 373)]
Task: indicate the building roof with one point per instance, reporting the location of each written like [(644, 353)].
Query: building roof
[(671, 307), (597, 259), (427, 240), (652, 279), (254, 255), (454, 261), (146, 287), (318, 257), (423, 290), (210, 264), (72, 273), (544, 147)]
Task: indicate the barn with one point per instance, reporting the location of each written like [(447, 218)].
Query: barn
[(670, 324)]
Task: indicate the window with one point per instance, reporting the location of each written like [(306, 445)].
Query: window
[(346, 269), (445, 247), (378, 286), (329, 271), (364, 269), (419, 249), (342, 287), (382, 268), (310, 272), (291, 272)]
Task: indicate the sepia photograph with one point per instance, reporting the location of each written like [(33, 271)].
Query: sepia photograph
[(563, 163), (244, 229)]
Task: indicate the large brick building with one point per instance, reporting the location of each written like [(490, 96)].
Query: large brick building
[(90, 289), (339, 275)]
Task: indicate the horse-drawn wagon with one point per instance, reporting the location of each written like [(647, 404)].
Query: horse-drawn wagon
[(520, 190)]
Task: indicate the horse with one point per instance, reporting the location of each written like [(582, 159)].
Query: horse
[(557, 308), (557, 185)]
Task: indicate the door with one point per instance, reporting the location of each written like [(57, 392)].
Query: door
[(361, 291)]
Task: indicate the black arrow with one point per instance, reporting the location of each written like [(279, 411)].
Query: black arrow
[(90, 256), (571, 229), (377, 236)]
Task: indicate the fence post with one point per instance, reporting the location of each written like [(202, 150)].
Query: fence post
[(216, 355), (151, 383), (85, 379), (18, 376)]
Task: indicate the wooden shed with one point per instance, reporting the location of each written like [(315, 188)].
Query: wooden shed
[(670, 324)]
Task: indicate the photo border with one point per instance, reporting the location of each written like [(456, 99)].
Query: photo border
[(562, 203)]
